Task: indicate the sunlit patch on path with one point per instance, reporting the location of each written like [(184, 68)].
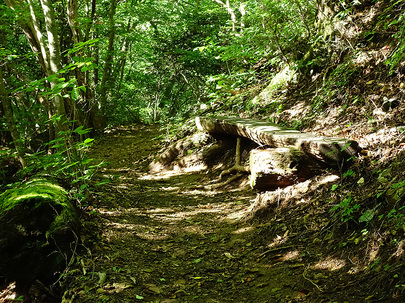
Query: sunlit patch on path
[(167, 237)]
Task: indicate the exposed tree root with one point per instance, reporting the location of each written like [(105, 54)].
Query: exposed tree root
[(238, 168), (222, 184)]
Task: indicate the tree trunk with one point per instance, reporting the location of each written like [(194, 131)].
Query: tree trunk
[(54, 59), (120, 66), (109, 59), (72, 15), (48, 52), (230, 11)]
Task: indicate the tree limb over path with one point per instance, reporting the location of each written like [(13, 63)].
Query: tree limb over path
[(331, 151)]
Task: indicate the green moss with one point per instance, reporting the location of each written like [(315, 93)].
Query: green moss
[(40, 190)]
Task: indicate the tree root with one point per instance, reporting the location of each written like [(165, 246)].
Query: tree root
[(238, 168)]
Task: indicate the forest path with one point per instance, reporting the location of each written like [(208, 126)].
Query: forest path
[(163, 241)]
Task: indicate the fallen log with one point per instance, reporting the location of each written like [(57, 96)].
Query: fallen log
[(39, 227), (332, 151)]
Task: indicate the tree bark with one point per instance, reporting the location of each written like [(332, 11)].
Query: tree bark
[(72, 16), (54, 60), (48, 52), (110, 52), (230, 11)]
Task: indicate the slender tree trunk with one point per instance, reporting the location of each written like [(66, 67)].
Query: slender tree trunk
[(302, 16), (230, 11), (8, 113), (54, 61), (120, 66), (242, 10), (48, 51), (110, 52), (72, 14)]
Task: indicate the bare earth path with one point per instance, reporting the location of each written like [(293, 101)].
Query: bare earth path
[(165, 241)]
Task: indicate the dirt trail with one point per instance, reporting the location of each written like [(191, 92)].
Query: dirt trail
[(165, 241)]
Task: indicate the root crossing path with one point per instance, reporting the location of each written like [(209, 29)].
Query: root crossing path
[(164, 241)]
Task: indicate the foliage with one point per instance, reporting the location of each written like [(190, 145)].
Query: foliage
[(345, 209), (66, 159), (398, 25)]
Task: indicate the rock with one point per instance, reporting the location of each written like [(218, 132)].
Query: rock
[(38, 228)]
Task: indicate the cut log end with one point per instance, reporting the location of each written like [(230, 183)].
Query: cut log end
[(280, 167)]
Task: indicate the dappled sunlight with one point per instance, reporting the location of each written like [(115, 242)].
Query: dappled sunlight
[(354, 270), (297, 110), (243, 212), (164, 175), (190, 169), (289, 256), (282, 197), (9, 293), (170, 188), (373, 247), (330, 264), (278, 240), (400, 250), (142, 231), (169, 221), (244, 230)]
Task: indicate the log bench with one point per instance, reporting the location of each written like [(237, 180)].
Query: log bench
[(285, 156)]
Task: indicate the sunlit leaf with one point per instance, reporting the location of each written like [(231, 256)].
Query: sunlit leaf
[(367, 215)]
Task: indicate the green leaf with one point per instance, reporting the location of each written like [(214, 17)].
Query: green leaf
[(74, 94), (80, 131), (399, 184), (88, 140), (83, 88), (367, 216), (139, 297)]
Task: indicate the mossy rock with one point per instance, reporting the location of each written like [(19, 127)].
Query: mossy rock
[(38, 228)]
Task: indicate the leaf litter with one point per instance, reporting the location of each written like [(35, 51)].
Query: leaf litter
[(153, 238)]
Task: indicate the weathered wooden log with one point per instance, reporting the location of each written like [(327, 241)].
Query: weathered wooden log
[(332, 151), (279, 167)]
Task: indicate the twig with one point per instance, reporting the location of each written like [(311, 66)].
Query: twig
[(218, 185), (312, 282)]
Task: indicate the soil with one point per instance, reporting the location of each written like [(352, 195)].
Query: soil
[(165, 238)]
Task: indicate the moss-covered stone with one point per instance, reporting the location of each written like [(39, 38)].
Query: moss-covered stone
[(38, 225)]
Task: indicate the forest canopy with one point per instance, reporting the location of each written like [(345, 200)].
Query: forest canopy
[(89, 64)]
